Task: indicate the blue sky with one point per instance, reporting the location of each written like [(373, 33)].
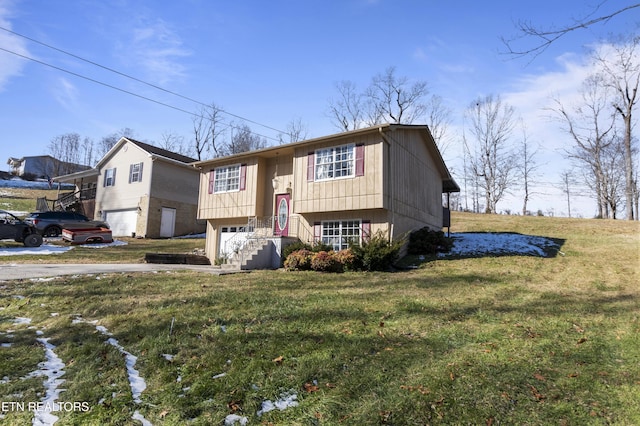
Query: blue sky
[(277, 61)]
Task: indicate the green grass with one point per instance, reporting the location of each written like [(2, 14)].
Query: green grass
[(493, 340), (24, 200)]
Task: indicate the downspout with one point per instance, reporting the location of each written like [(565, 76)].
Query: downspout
[(390, 174)]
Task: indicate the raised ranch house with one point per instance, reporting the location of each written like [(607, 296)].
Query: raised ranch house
[(140, 190), (335, 189)]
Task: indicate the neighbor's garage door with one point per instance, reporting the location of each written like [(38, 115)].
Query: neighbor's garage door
[(122, 222)]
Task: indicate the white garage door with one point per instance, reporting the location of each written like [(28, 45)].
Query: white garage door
[(122, 222), (232, 238)]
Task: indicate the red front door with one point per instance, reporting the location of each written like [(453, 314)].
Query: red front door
[(282, 215)]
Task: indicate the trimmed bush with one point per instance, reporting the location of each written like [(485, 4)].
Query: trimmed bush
[(377, 254), (347, 259), (326, 261), (299, 260), (321, 261), (427, 241)]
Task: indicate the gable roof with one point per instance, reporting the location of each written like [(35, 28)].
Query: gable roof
[(448, 183), (162, 152), (154, 151)]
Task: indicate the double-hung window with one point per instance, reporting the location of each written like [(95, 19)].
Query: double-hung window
[(336, 162), (135, 173), (228, 178), (341, 233), (110, 177)]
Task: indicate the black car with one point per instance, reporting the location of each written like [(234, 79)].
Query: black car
[(15, 229), (51, 223)]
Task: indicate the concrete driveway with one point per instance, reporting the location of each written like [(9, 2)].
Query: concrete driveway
[(17, 271)]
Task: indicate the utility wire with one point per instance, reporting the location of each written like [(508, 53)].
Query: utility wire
[(128, 92), (129, 77)]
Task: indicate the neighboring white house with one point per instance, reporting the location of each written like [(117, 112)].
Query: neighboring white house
[(42, 166), (143, 190)]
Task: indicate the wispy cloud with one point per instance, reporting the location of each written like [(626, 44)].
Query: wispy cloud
[(12, 64), (158, 50), (66, 94)]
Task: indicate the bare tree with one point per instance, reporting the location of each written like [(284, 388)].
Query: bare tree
[(612, 185), (174, 143), (208, 129), (347, 111), (243, 140), (591, 126), (296, 131), (389, 99), (567, 183), (527, 167), (438, 121), (545, 37), (107, 142), (622, 73), (66, 149), (87, 154), (492, 160), (393, 99)]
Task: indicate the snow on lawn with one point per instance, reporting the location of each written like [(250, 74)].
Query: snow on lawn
[(42, 250), (47, 248), (52, 369), (136, 382), (16, 182), (481, 243)]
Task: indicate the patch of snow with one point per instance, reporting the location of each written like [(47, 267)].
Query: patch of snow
[(286, 400), (232, 419), (137, 383), (139, 417), (17, 182), (189, 236), (22, 320), (103, 245), (5, 345), (168, 357), (47, 249), (52, 369), (44, 249), (41, 280), (480, 243), (218, 376), (102, 329)]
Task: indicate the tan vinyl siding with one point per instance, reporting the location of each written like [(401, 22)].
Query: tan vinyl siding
[(281, 167), (349, 193), (242, 203), (378, 218), (417, 183)]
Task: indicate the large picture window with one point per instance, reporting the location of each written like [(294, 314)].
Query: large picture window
[(340, 233), (334, 163)]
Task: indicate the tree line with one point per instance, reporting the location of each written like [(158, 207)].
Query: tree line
[(498, 155)]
